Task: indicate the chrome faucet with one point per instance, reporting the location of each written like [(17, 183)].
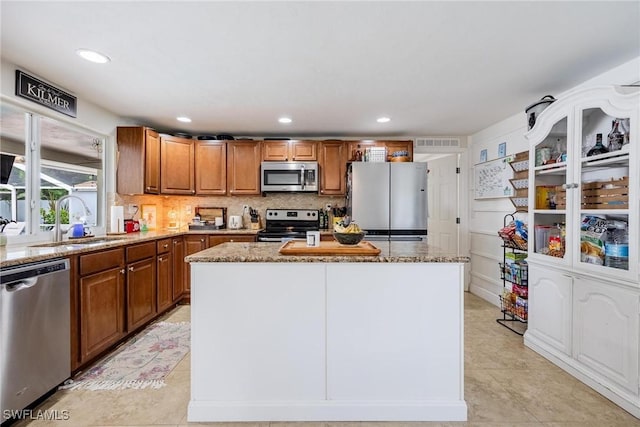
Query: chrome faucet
[(57, 236)]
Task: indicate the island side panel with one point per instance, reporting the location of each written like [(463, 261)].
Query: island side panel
[(258, 332), (394, 332)]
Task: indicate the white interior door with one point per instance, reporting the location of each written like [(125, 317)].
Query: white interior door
[(443, 203)]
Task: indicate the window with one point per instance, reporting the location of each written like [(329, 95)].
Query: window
[(62, 160)]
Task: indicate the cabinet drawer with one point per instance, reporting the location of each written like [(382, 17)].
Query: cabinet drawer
[(141, 251), (100, 261), (163, 246)]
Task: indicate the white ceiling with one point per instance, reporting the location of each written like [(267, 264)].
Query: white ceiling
[(435, 68)]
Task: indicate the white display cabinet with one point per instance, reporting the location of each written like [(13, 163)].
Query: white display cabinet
[(568, 187), (584, 234)]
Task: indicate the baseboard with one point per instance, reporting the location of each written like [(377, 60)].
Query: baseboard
[(486, 295)]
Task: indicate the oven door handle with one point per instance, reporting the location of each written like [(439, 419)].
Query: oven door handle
[(269, 239)]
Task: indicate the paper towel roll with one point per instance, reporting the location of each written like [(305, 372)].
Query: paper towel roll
[(117, 219)]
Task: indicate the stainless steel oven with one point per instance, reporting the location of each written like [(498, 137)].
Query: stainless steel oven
[(289, 176), (286, 224)]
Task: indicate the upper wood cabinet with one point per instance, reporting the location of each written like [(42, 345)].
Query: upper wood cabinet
[(211, 167), (177, 174), (138, 165), (286, 151), (332, 160), (243, 167), (391, 146)]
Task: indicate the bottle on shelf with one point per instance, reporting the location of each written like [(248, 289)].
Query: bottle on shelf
[(598, 148), (615, 137), (616, 249)]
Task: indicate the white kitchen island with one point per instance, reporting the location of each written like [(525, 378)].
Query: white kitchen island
[(326, 338)]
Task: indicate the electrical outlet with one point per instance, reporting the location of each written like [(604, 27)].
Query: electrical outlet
[(133, 209), (327, 207), (245, 208)]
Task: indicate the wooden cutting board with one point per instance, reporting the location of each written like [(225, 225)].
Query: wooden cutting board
[(299, 247)]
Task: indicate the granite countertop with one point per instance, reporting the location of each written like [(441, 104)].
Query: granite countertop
[(38, 251), (268, 252)]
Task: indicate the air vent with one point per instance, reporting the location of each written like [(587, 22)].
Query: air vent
[(429, 144)]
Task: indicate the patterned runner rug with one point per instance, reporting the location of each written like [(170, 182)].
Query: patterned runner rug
[(142, 362)]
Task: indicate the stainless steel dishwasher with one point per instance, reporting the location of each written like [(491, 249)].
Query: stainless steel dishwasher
[(34, 332)]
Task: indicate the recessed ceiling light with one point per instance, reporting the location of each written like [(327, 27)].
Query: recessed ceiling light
[(383, 119), (183, 119), (285, 120), (93, 56)]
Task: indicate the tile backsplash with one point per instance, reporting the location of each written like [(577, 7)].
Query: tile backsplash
[(184, 206)]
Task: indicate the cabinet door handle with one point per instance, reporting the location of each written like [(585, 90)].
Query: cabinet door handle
[(122, 271), (175, 242), (130, 268), (166, 246), (202, 240), (159, 258), (231, 240)]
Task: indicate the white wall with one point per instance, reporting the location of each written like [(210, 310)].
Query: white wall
[(486, 216), (90, 117)]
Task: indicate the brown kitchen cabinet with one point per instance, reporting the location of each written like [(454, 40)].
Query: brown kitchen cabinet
[(211, 168), (101, 287), (141, 284), (192, 244), (290, 150), (164, 274), (177, 161), (332, 161), (178, 283), (224, 238), (243, 167), (138, 165)]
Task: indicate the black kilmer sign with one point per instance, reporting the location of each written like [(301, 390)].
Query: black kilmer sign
[(44, 94)]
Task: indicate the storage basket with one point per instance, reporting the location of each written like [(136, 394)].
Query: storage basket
[(520, 183), (522, 165), (611, 194)]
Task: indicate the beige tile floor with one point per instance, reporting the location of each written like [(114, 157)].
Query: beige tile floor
[(506, 385)]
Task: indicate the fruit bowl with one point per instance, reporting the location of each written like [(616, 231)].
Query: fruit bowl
[(348, 238)]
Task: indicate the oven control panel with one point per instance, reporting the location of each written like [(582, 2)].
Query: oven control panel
[(292, 215)]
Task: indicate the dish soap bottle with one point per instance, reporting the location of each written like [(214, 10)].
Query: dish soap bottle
[(598, 148)]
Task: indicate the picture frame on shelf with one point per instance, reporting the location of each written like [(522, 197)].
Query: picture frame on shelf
[(502, 149), (483, 156)]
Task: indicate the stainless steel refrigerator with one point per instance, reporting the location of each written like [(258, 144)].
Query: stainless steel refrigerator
[(388, 199)]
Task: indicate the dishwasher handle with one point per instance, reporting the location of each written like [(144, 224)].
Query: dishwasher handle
[(21, 284)]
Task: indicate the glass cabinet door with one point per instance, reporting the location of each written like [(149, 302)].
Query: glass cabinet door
[(549, 193), (603, 180)]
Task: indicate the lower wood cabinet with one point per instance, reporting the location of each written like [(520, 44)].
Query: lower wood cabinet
[(178, 286), (192, 244), (101, 287), (141, 284), (115, 292), (164, 275)]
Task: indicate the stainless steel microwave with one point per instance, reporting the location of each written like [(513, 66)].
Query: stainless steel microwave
[(289, 176)]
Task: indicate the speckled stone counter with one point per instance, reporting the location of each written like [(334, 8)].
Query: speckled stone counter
[(38, 251), (268, 252), (326, 338)]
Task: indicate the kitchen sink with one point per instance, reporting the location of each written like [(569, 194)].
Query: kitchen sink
[(81, 243)]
